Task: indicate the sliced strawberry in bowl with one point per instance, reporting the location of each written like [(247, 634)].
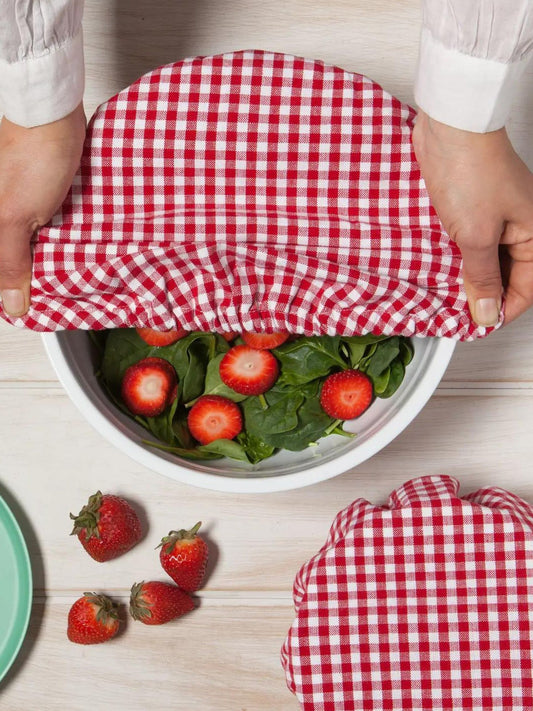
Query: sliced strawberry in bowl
[(264, 341), (161, 338), (149, 386), (229, 336), (214, 417), (248, 371), (346, 394)]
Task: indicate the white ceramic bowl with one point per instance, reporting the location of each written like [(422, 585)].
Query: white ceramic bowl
[(73, 359)]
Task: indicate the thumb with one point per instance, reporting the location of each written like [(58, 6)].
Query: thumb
[(15, 270), (483, 282)]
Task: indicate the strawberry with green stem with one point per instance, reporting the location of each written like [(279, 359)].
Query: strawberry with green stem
[(154, 602), (107, 526), (92, 619), (184, 556)]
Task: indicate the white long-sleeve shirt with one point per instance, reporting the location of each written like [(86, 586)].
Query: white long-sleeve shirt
[(472, 55), (471, 58), (42, 72)]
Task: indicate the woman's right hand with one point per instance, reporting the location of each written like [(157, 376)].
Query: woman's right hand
[(37, 166)]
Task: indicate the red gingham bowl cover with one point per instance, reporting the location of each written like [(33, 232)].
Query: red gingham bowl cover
[(425, 604), (252, 191)]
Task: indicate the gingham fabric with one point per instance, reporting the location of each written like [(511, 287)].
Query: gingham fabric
[(252, 191), (425, 604)]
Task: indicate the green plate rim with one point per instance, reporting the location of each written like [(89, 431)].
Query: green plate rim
[(25, 574)]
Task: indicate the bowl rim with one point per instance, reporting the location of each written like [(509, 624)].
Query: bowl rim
[(413, 403)]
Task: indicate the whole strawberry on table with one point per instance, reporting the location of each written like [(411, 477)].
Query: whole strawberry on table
[(155, 603), (245, 396), (92, 619), (184, 555), (107, 526)]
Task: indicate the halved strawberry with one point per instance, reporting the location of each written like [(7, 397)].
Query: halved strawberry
[(160, 338), (229, 335), (248, 371), (149, 386), (346, 394), (263, 341), (214, 417)]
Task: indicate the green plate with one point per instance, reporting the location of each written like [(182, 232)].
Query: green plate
[(15, 588)]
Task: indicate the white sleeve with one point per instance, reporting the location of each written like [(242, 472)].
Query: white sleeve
[(41, 59), (472, 55)]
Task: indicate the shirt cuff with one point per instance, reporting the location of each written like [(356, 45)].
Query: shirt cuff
[(39, 90), (462, 91)]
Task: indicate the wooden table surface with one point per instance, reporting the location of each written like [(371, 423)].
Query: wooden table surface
[(225, 656)]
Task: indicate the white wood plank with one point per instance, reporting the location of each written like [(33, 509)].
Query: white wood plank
[(22, 356), (506, 356), (212, 659)]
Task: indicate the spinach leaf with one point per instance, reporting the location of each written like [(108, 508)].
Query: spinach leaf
[(381, 382), (293, 420), (308, 358), (355, 352), (181, 431), (311, 425), (254, 447), (280, 415), (397, 372), (385, 353), (195, 453), (191, 365), (406, 351), (225, 448), (364, 362), (162, 425), (357, 345)]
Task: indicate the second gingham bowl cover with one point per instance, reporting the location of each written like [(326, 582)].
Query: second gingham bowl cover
[(252, 191), (425, 604)]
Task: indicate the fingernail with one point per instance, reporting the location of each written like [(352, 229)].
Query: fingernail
[(487, 312), (13, 302)]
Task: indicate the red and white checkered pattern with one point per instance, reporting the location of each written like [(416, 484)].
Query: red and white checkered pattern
[(422, 605), (251, 191)]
